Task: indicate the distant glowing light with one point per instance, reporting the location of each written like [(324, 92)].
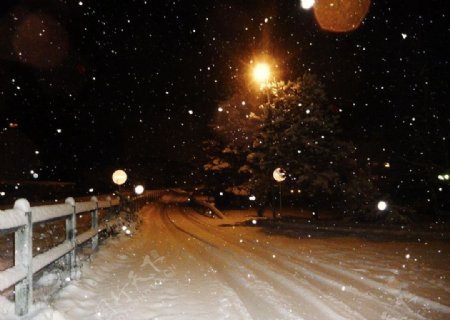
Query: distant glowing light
[(441, 177), (387, 165), (139, 189), (220, 109), (119, 177), (261, 72), (279, 175), (91, 190), (307, 4), (382, 205), (404, 36), (59, 130), (191, 112), (2, 193), (252, 198), (35, 175)]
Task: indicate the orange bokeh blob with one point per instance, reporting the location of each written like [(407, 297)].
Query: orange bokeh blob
[(41, 41), (340, 15)]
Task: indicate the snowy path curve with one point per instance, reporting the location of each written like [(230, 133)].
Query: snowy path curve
[(181, 265), (322, 289)]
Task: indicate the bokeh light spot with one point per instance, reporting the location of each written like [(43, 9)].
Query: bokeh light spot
[(41, 41), (340, 15)]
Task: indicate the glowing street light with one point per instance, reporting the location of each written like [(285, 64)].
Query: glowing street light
[(139, 189), (261, 73), (382, 205), (119, 177), (279, 175)]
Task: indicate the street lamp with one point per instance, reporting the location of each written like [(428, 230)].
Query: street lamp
[(279, 176), (261, 73), (139, 189), (119, 177), (382, 205)]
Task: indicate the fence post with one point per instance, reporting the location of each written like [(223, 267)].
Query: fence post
[(23, 255), (94, 224), (110, 212), (71, 231)]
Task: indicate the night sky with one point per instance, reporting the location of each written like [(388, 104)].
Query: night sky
[(90, 86)]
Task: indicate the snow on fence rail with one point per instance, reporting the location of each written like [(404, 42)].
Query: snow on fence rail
[(20, 220)]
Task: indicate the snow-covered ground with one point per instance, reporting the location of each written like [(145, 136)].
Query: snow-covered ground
[(182, 265)]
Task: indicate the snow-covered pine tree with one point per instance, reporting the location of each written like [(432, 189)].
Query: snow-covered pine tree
[(234, 127), (299, 132)]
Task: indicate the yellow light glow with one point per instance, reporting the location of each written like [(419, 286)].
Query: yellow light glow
[(279, 175), (119, 177), (261, 72)]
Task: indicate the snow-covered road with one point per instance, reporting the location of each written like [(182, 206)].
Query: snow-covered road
[(182, 265)]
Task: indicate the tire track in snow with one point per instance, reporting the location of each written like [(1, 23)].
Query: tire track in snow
[(291, 271), (280, 283), (256, 306), (357, 289)]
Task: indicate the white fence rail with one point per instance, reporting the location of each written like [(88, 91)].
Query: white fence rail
[(20, 220)]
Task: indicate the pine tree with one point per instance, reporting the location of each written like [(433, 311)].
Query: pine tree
[(297, 129), (299, 132), (235, 126), (225, 168)]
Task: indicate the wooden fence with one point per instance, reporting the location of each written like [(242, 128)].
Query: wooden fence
[(20, 221)]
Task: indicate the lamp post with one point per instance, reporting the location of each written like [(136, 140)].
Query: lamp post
[(261, 73), (119, 177), (279, 176)]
